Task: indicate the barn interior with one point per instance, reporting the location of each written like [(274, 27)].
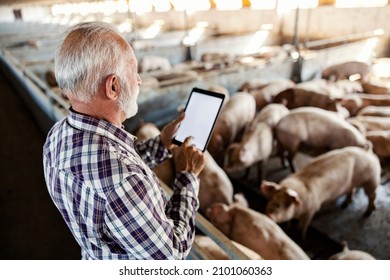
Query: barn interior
[(203, 44)]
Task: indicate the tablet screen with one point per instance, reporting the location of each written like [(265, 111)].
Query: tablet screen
[(201, 112)]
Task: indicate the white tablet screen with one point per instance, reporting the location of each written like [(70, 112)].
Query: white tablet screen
[(200, 115)]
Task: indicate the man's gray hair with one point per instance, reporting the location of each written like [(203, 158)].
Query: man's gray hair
[(86, 56)]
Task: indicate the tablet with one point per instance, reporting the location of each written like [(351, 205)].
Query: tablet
[(201, 113)]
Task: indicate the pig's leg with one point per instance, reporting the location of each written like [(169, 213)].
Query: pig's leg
[(371, 194), (290, 159), (282, 156), (304, 222), (291, 147), (281, 153), (348, 199)]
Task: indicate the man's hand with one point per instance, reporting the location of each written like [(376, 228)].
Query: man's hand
[(188, 158), (170, 130)]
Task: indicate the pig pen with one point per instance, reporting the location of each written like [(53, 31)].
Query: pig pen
[(164, 92)]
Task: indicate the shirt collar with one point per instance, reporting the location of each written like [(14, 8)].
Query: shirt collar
[(99, 126)]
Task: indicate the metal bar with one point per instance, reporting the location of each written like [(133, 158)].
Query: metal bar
[(33, 78), (344, 39), (197, 253)]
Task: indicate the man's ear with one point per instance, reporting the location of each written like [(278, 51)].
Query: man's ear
[(112, 87)]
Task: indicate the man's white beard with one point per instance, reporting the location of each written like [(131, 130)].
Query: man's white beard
[(128, 102)]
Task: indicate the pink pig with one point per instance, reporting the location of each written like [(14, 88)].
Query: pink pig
[(255, 231), (300, 195)]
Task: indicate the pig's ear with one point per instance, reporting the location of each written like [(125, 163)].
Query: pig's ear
[(223, 213), (293, 195), (269, 188), (227, 216), (240, 199), (284, 102)]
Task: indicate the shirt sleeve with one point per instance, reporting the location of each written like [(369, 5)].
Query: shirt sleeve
[(138, 219), (153, 151)]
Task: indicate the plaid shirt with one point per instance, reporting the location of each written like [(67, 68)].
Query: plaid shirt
[(113, 203)]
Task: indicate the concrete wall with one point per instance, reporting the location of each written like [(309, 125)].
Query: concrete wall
[(329, 22), (6, 14), (318, 23)]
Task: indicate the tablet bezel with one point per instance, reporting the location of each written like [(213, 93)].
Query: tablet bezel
[(210, 93)]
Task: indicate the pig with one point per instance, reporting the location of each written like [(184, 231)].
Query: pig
[(272, 113), (240, 199), (154, 63), (256, 146), (257, 142), (146, 130), (340, 88), (303, 97), (371, 123), (253, 84), (214, 252), (327, 177), (377, 86), (315, 85), (235, 116), (224, 58), (352, 103), (358, 125), (374, 99), (255, 231), (381, 143), (347, 254), (333, 89), (165, 171), (265, 94), (375, 111), (220, 89), (215, 185), (357, 101), (213, 61), (347, 70), (314, 130), (315, 93)]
